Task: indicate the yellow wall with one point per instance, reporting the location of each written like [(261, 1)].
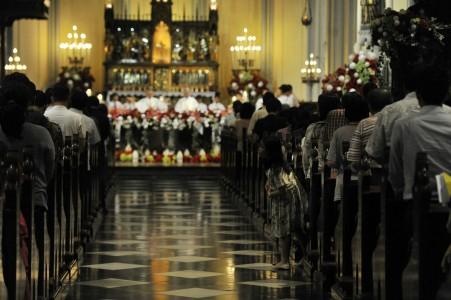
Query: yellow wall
[(286, 54)]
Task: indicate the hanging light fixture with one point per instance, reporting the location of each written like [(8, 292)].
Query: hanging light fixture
[(14, 64), (307, 16)]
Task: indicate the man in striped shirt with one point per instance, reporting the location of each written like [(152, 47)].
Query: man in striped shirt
[(377, 100)]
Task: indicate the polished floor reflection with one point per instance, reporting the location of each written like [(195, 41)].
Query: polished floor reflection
[(180, 238)]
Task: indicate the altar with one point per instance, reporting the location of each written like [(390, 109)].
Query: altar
[(167, 57)]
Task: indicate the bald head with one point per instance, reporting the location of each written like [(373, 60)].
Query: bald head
[(378, 99)]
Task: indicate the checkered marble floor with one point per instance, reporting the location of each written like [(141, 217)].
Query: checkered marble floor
[(178, 238)]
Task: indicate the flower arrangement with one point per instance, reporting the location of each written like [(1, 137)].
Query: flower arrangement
[(403, 32), (361, 69), (75, 77), (250, 83)]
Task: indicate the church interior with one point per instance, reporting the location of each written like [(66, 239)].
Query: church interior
[(225, 149)]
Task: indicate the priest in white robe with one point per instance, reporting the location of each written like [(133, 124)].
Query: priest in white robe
[(186, 104)]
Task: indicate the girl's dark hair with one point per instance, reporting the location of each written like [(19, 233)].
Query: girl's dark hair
[(246, 111), (327, 103), (273, 152), (13, 104)]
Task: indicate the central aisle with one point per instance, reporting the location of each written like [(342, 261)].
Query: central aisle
[(175, 237)]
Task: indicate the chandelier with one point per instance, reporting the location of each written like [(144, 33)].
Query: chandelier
[(311, 72), (76, 47), (14, 64), (246, 51)]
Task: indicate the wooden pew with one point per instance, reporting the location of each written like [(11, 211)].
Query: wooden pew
[(423, 275), (391, 252), (365, 238), (327, 219), (54, 226), (13, 264), (344, 231), (311, 261), (27, 206), (3, 291), (68, 207), (75, 193)]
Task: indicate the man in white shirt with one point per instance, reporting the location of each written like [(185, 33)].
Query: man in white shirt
[(148, 102), (69, 122), (115, 103), (201, 107), (286, 95), (216, 106), (186, 104), (380, 139), (428, 130), (79, 100)]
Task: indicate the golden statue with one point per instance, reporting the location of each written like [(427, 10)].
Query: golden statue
[(161, 48)]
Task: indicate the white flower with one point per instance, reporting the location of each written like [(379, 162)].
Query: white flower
[(359, 81), (253, 93), (352, 90), (234, 85), (352, 66), (367, 64), (413, 27), (397, 23), (66, 75), (86, 85), (76, 77), (356, 75), (372, 56), (341, 78), (250, 86), (261, 84), (338, 88), (351, 57), (70, 83), (362, 57), (329, 87)]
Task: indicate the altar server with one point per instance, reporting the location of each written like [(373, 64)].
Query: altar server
[(286, 95), (148, 103), (186, 104), (216, 106)]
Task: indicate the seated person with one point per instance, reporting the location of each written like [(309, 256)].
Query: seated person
[(326, 103), (260, 113), (377, 99), (355, 109), (186, 104), (216, 106), (272, 122), (428, 130)]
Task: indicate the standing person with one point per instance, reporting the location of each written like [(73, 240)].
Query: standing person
[(283, 192), (216, 106), (201, 107), (377, 99), (186, 104), (79, 101), (231, 118), (326, 103), (286, 96), (356, 109), (241, 124), (272, 122), (260, 113), (69, 122), (17, 134)]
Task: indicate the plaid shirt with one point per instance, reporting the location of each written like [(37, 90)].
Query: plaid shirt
[(335, 119)]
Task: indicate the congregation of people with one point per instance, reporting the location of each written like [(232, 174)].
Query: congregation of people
[(56, 125), (340, 132)]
